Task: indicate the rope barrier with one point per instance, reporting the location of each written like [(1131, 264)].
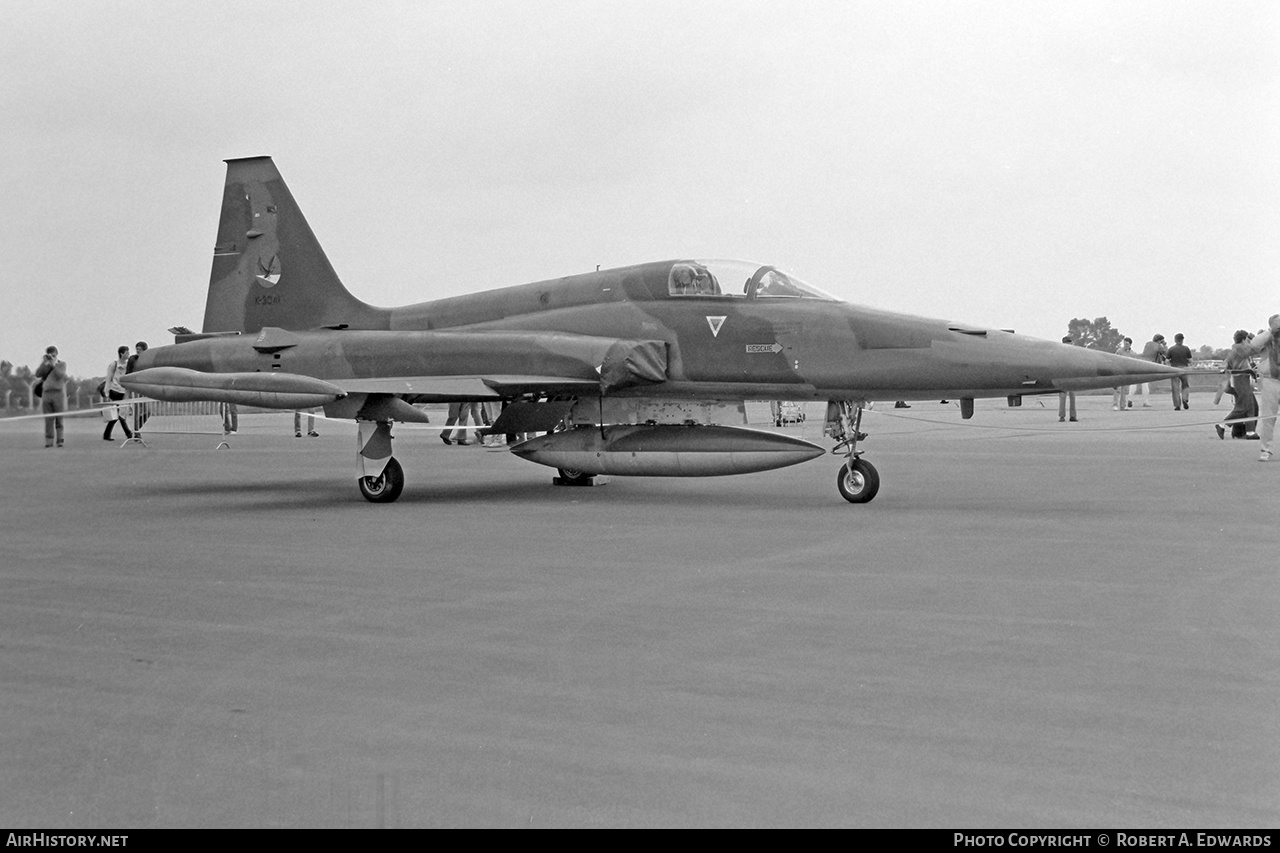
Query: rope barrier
[(73, 413), (1059, 430), (890, 414)]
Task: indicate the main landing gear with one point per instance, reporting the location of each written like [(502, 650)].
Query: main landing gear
[(385, 487), (858, 480), (573, 477), (381, 479)]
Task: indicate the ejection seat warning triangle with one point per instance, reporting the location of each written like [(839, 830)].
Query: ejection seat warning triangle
[(715, 323)]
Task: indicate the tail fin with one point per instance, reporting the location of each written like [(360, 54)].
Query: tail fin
[(268, 267)]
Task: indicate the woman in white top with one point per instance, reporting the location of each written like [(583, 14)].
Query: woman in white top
[(115, 391)]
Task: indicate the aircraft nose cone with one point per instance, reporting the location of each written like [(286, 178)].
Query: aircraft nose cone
[(1082, 368)]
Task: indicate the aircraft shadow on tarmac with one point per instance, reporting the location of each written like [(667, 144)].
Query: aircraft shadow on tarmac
[(323, 492)]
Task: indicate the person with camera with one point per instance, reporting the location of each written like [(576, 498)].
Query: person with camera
[(51, 388), (1240, 375), (1154, 352)]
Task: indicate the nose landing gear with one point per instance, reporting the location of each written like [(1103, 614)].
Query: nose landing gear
[(858, 480)]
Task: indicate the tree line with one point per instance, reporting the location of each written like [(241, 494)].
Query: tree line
[(1099, 334)]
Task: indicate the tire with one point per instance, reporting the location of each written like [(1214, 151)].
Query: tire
[(573, 477), (386, 487), (858, 481)]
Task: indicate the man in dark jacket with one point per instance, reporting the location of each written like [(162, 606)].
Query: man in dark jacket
[(1179, 356), (140, 412)]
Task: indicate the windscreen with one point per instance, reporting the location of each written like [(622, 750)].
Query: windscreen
[(738, 278)]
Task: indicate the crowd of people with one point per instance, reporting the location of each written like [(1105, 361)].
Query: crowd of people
[(482, 415), (1253, 358), (51, 387), (1253, 362), (1155, 351)]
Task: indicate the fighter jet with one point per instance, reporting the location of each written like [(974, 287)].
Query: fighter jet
[(641, 370)]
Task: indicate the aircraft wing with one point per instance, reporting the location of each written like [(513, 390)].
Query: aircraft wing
[(320, 367), (475, 365), (471, 387)]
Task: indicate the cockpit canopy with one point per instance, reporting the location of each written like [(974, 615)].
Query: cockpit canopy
[(721, 278)]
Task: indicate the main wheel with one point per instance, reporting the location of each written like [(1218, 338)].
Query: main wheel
[(573, 477), (385, 487), (858, 481)]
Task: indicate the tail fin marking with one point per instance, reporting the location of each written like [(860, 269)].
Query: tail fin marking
[(268, 267)]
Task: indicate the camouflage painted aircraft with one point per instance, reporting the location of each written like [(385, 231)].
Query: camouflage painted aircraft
[(642, 370)]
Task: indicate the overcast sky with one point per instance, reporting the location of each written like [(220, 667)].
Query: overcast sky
[(1013, 164)]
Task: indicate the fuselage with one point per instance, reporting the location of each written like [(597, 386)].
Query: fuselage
[(738, 342)]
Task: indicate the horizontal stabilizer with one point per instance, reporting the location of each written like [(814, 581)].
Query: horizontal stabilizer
[(265, 390)]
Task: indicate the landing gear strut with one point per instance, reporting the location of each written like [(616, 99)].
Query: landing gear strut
[(858, 480)]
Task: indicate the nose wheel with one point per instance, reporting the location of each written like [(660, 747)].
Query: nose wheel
[(858, 480)]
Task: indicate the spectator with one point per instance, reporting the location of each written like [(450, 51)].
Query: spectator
[(51, 388), (1239, 369), (1179, 356), (1064, 396), (311, 424), (140, 410), (1267, 344), (491, 410), (1120, 397), (231, 418), (115, 393), (456, 422), (1152, 351)]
